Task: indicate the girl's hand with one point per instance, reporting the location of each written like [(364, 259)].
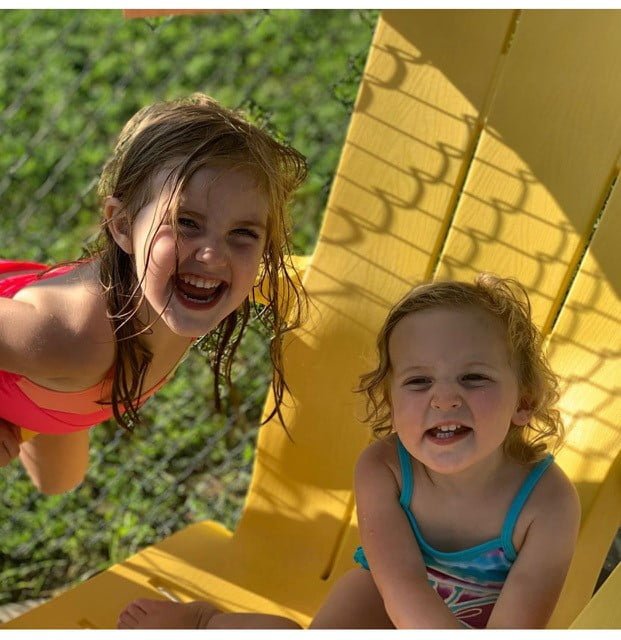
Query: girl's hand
[(10, 440)]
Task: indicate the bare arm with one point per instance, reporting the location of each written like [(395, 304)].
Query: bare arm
[(35, 343), (536, 578), (56, 463), (392, 552)]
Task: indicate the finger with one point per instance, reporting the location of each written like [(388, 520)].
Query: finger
[(11, 428), (9, 450), (12, 446)]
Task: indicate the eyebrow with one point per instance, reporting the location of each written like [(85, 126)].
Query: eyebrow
[(426, 367), (252, 223)]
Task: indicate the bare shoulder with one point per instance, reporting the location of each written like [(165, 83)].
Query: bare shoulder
[(74, 338), (555, 499), (380, 452), (379, 456)]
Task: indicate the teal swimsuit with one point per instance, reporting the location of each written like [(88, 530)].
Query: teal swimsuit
[(468, 581)]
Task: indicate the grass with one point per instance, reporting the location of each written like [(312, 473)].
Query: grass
[(73, 79)]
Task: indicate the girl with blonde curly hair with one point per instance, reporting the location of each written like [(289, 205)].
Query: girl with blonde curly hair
[(465, 519)]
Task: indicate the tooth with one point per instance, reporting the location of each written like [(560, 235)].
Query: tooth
[(201, 283)]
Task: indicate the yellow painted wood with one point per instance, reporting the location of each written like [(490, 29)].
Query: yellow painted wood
[(545, 157), (521, 202), (603, 611), (393, 192), (201, 562), (539, 177), (585, 348)]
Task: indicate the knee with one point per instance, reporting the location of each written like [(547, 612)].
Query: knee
[(56, 487)]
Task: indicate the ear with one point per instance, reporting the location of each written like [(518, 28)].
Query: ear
[(523, 413), (117, 222)]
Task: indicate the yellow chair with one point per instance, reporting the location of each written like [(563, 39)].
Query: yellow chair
[(480, 140)]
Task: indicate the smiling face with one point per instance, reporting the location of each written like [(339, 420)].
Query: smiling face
[(221, 221), (454, 393)]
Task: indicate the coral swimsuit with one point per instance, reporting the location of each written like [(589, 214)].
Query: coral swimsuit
[(39, 409)]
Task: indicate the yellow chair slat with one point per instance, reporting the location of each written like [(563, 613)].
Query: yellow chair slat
[(585, 348), (603, 610), (480, 140)]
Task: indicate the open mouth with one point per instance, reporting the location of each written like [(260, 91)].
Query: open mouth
[(199, 292), (448, 433)]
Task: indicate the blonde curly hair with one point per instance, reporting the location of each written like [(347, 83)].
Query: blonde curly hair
[(507, 300)]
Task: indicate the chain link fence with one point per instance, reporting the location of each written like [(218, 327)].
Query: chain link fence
[(70, 81)]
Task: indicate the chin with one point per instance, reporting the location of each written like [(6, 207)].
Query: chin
[(185, 331), (449, 466)]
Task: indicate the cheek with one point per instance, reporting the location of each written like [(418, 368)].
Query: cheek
[(485, 400), (493, 403), (249, 260), (162, 253), (404, 407)]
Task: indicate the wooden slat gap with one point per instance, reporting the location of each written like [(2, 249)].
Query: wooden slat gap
[(438, 249), (340, 538), (513, 25), (580, 254), (470, 154)]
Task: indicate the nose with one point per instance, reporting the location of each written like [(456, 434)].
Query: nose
[(446, 398), (212, 252)]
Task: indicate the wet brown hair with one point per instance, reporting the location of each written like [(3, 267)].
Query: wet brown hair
[(507, 300), (183, 136)]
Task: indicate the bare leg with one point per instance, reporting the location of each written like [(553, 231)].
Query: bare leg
[(56, 463), (250, 621), (163, 614), (353, 603)]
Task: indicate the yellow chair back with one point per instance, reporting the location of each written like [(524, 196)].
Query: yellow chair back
[(480, 141)]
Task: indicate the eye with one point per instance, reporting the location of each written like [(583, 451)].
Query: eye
[(475, 378), (417, 382), (243, 232), (187, 223)]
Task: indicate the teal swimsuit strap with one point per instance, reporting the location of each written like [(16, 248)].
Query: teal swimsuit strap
[(518, 503), (407, 484), (514, 510)]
